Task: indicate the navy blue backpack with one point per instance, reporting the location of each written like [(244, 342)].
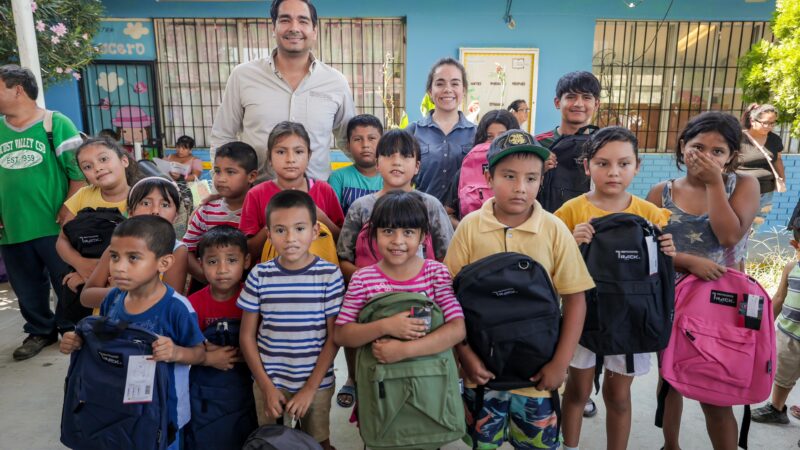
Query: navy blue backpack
[(223, 407), (94, 416)]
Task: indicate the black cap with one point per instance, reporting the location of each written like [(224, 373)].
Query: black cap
[(515, 141)]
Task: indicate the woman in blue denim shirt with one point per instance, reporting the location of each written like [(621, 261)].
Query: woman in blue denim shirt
[(444, 135)]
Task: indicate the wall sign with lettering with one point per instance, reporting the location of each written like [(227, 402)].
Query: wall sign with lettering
[(498, 76), (126, 39)]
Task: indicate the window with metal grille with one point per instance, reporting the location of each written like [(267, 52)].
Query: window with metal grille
[(657, 75), (196, 56)]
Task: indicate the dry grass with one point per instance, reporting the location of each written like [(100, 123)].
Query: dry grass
[(767, 258)]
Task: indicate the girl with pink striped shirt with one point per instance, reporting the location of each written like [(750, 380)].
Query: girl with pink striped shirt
[(398, 225)]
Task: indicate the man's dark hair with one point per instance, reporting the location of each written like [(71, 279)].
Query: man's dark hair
[(273, 11), (364, 120), (240, 152), (292, 199), (579, 82), (156, 232), (222, 236), (14, 75)]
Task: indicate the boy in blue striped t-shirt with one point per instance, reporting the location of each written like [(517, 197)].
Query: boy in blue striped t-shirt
[(290, 304)]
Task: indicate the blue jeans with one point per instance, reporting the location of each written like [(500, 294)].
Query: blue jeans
[(32, 267)]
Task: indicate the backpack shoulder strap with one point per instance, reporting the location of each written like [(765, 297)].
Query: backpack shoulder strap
[(48, 128)]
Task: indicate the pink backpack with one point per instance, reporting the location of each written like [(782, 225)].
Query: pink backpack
[(472, 187), (722, 347), (366, 257)]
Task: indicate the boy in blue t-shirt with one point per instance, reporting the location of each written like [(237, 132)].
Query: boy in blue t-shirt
[(141, 251), (290, 304), (362, 177)]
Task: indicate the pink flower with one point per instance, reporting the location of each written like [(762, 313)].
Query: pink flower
[(40, 26), (76, 43), (68, 70), (59, 29), (55, 39), (76, 75), (59, 70), (85, 36), (105, 103), (34, 6), (140, 87)]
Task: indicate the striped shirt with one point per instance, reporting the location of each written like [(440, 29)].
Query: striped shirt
[(433, 280), (294, 307), (208, 216), (789, 318)]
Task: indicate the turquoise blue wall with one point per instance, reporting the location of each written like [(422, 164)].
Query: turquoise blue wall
[(562, 30)]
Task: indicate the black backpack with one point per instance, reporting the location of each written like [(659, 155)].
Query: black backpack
[(90, 231), (279, 437), (223, 407), (513, 320), (630, 310), (568, 179)]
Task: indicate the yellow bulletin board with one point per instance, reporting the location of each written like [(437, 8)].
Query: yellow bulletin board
[(498, 76)]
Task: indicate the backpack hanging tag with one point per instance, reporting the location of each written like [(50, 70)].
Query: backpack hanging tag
[(652, 254), (140, 379), (752, 315)]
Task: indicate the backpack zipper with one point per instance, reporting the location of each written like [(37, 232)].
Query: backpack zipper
[(381, 390)]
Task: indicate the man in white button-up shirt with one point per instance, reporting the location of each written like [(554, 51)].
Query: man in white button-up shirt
[(291, 84)]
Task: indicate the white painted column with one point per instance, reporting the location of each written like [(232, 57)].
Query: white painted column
[(26, 42)]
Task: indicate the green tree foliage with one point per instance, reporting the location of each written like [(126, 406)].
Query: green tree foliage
[(770, 71), (64, 32)]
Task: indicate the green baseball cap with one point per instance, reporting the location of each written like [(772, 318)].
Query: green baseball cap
[(515, 141)]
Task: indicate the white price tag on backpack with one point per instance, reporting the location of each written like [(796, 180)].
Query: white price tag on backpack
[(140, 379), (652, 254)]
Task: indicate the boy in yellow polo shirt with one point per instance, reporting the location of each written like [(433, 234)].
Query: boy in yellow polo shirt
[(513, 221)]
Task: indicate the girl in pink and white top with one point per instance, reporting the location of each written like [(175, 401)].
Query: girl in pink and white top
[(398, 224)]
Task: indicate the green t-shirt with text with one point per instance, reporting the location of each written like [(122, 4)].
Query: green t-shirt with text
[(32, 182)]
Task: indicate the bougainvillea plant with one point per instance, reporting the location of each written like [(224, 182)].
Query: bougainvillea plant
[(64, 32)]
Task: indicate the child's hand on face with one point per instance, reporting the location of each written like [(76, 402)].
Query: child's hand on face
[(550, 377), (404, 327), (705, 169), (221, 358), (667, 245), (583, 233), (298, 406), (273, 402), (70, 342), (387, 350), (164, 350)]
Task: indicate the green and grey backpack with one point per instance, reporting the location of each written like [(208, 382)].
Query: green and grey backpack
[(411, 404)]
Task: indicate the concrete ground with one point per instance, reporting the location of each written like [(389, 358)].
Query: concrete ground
[(31, 395)]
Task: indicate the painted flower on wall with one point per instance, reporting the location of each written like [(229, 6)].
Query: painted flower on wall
[(140, 87), (105, 104)]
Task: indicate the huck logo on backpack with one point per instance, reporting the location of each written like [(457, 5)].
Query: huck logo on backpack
[(114, 359), (723, 298), (628, 255), (630, 310)]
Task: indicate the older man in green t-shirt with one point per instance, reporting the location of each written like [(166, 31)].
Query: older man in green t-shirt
[(35, 179)]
